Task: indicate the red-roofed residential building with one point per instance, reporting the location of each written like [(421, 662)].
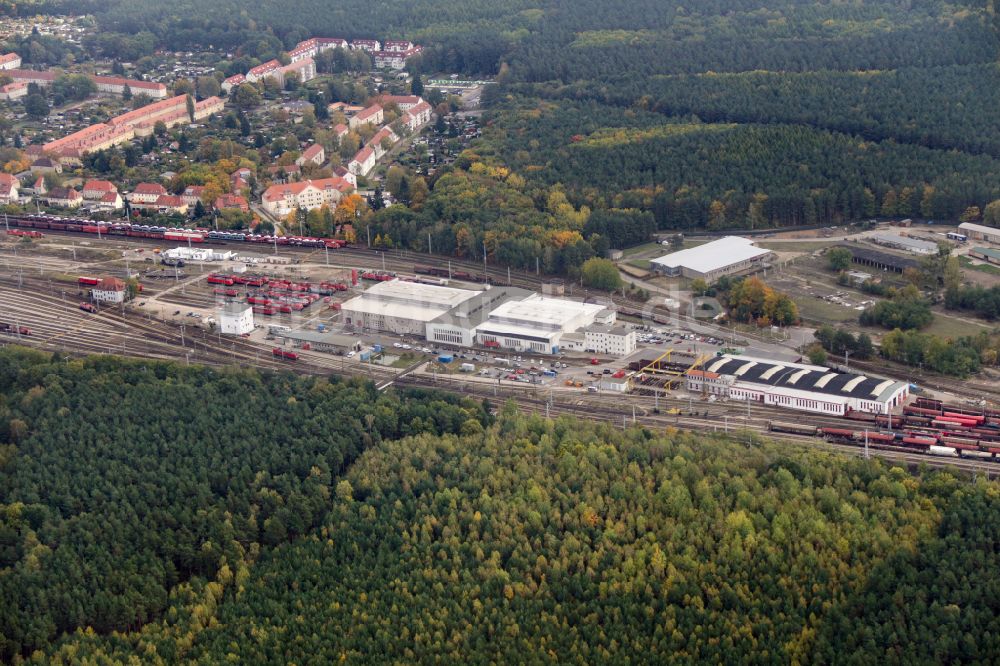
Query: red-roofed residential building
[(404, 102), (307, 194), (109, 290), (314, 154), (39, 188), (232, 82), (260, 71), (397, 46), (64, 197), (111, 200), (42, 78), (192, 194), (341, 130), (239, 180), (363, 162), (10, 61), (373, 115), (116, 86), (305, 68), (170, 203), (394, 59), (96, 189), (342, 172), (284, 173), (232, 201), (417, 116), (146, 193), (379, 139), (14, 90), (370, 45), (9, 186)]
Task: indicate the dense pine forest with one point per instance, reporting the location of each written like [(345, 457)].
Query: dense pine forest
[(160, 513)]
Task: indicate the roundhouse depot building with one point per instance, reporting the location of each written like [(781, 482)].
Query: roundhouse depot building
[(808, 388)]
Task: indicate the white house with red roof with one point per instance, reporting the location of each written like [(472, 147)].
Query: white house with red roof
[(170, 203), (417, 116), (9, 186), (363, 162), (340, 130), (192, 194), (314, 154), (109, 290), (397, 46), (10, 61), (404, 102), (260, 71), (232, 82), (307, 194), (39, 188), (64, 197), (370, 45), (110, 201), (342, 172), (146, 193), (394, 59), (94, 190), (380, 139), (373, 115), (14, 90), (117, 85), (239, 180), (232, 201)]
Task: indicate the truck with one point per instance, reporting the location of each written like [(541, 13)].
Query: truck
[(445, 358), (467, 367)]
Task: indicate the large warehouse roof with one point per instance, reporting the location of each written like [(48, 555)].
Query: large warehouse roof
[(408, 300), (969, 226), (546, 312), (812, 378), (714, 255), (419, 294)]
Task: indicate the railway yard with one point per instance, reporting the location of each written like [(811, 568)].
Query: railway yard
[(41, 298)]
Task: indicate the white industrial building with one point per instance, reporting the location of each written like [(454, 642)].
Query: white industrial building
[(980, 232), (198, 254), (726, 256), (236, 319), (808, 388), (458, 326), (609, 339), (502, 317), (402, 307), (536, 324), (898, 242)]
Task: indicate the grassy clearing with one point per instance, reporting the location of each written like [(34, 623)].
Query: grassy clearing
[(981, 267), (814, 309), (951, 327), (644, 248)]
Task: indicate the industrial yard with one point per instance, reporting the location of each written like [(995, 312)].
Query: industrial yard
[(297, 296)]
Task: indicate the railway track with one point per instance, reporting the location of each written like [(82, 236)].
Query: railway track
[(622, 417)]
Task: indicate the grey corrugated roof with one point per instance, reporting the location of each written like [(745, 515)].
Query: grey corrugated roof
[(803, 378)]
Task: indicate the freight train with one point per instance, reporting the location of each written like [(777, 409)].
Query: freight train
[(173, 234), (14, 330), (451, 275), (936, 443)]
